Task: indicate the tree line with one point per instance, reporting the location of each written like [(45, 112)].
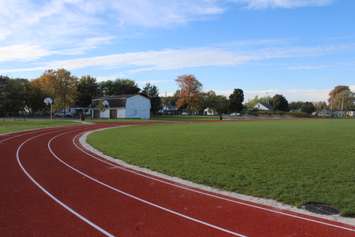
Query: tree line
[(191, 98), (19, 96), (22, 96)]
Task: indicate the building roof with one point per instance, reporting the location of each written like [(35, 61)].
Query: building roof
[(263, 106)]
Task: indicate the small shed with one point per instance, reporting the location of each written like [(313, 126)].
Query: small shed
[(121, 106)]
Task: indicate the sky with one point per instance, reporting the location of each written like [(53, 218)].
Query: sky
[(299, 48)]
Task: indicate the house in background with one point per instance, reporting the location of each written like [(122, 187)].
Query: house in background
[(169, 110), (209, 112), (121, 106), (262, 107)]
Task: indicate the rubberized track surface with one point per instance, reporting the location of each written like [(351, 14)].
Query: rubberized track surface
[(51, 186)]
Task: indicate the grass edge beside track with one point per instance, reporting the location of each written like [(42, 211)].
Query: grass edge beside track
[(346, 212)]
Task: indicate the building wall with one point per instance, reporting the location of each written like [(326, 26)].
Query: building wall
[(105, 114), (121, 112), (138, 107)]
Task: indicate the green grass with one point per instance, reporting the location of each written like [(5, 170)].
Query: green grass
[(289, 161), (184, 117), (12, 125)]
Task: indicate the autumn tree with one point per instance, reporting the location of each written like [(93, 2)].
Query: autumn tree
[(340, 98), (236, 100), (60, 85), (152, 92), (190, 93)]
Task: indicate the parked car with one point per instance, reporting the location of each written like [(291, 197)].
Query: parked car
[(61, 115)]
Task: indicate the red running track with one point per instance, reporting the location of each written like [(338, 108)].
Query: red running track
[(51, 186)]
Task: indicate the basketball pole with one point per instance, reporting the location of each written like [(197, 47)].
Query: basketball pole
[(51, 112)]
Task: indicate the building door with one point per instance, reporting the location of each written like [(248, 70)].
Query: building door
[(113, 113), (96, 113)]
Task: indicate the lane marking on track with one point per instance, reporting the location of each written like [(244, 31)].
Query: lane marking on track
[(13, 137), (26, 132), (138, 198), (101, 159), (87, 221)]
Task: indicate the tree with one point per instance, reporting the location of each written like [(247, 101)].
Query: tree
[(13, 96), (106, 88), (319, 106), (65, 89), (236, 100), (118, 87), (296, 106), (221, 105), (86, 91), (3, 84), (34, 99), (124, 87), (308, 108), (207, 100), (60, 85), (340, 98), (152, 92), (169, 100), (279, 103), (190, 93)]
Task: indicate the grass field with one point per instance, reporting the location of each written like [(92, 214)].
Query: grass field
[(10, 125), (290, 161), (184, 117)]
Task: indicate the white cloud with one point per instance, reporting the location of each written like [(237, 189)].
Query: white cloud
[(61, 24), (157, 13), (72, 27), (262, 4), (170, 59), (22, 52)]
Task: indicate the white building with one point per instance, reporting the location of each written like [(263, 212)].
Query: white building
[(121, 106), (209, 111), (260, 106), (350, 114)]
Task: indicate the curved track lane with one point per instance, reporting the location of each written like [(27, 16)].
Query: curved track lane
[(51, 186)]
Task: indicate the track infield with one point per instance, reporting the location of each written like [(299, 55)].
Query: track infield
[(293, 162)]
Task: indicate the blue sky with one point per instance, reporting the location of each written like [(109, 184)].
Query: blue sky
[(300, 48)]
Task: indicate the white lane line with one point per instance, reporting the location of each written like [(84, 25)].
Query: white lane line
[(138, 198), (208, 194), (87, 221), (24, 133), (13, 137), (31, 131)]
